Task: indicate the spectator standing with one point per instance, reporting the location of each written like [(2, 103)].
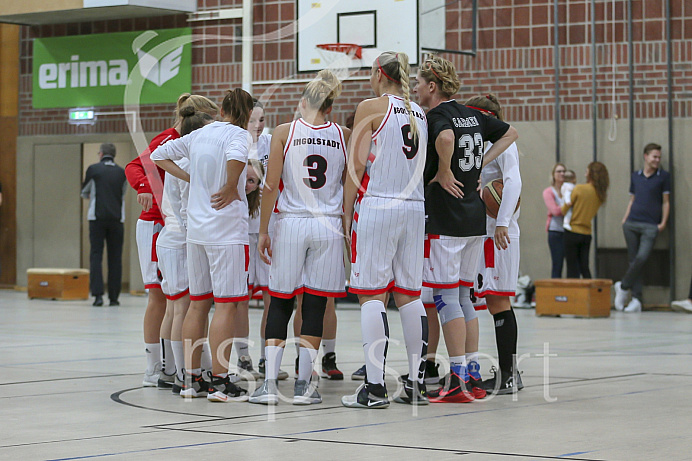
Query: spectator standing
[(104, 186), (646, 216), (553, 201)]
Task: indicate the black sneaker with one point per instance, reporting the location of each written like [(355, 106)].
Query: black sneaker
[(98, 301), (509, 383), (367, 396), (413, 394), (194, 386), (165, 381), (177, 385), (260, 367), (454, 390), (359, 374), (246, 370), (476, 387), (114, 303), (223, 390), (432, 372), (329, 369)]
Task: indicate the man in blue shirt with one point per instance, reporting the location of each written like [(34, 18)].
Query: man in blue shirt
[(646, 216)]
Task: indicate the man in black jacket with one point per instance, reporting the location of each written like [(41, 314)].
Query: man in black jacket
[(104, 186)]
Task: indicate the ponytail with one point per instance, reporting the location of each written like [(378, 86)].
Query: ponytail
[(396, 68), (237, 106)]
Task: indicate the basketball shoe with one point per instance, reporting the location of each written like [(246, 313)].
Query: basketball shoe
[(329, 369), (367, 395), (223, 390)]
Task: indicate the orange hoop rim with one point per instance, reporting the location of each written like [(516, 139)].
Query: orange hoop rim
[(348, 48)]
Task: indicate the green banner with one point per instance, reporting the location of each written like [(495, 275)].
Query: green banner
[(94, 70)]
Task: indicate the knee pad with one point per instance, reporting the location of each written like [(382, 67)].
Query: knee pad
[(278, 316), (313, 315), (447, 304), (466, 304)]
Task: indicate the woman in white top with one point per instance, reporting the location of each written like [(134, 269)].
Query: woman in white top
[(306, 163), (217, 238)]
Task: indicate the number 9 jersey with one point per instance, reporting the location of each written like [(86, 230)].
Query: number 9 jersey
[(314, 161), (446, 214)]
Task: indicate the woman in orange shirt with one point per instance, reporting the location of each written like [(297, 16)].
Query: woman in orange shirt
[(586, 200)]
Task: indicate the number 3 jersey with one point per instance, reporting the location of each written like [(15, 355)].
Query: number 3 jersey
[(446, 214), (314, 161), (395, 165)]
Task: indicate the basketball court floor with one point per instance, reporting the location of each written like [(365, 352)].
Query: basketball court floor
[(596, 389)]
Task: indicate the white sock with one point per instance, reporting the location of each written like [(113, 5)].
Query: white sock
[(206, 357), (373, 324), (328, 346), (241, 347), (262, 348), (153, 351), (297, 343), (179, 357), (168, 358), (472, 357), (194, 371), (458, 365), (306, 363), (414, 322), (273, 356)]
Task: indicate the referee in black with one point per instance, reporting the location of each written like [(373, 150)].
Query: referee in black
[(104, 186)]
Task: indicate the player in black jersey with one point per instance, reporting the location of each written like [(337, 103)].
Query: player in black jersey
[(455, 214)]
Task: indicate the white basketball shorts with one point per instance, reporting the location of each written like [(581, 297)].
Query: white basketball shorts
[(173, 266), (451, 261), (387, 246), (146, 234), (499, 268), (218, 271), (307, 257), (258, 271)]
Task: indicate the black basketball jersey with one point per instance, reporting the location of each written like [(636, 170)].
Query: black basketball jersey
[(446, 214)]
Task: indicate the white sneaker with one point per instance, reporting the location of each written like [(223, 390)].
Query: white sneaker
[(266, 394), (682, 306), (634, 306), (151, 379), (621, 296)]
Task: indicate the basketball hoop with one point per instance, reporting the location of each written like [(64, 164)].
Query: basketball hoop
[(350, 49), (339, 57)]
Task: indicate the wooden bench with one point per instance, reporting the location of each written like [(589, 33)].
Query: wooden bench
[(58, 283), (579, 297)]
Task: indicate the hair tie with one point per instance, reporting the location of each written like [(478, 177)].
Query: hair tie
[(485, 111), (385, 73), (433, 71), (487, 96)]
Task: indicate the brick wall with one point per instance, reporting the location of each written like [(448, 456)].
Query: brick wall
[(514, 60)]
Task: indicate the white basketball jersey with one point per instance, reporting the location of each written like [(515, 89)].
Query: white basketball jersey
[(395, 164), (314, 161)]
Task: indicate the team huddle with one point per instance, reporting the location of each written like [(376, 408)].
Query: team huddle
[(242, 212)]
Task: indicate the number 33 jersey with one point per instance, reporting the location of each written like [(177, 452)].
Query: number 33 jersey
[(446, 214), (395, 165), (314, 161)]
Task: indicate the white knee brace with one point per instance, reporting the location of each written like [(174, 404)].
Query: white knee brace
[(466, 304)]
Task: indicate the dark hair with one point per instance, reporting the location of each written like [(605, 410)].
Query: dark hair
[(651, 146), (488, 103), (256, 103), (237, 106), (192, 120), (253, 198), (107, 149), (350, 119), (598, 176)]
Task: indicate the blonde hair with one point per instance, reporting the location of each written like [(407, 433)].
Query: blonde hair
[(200, 104), (488, 103), (321, 92), (395, 67), (442, 72)]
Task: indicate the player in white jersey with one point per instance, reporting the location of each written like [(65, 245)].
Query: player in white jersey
[(307, 163), (217, 239), (455, 217), (384, 215), (500, 260), (172, 253)]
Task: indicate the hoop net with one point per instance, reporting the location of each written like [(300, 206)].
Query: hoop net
[(339, 57)]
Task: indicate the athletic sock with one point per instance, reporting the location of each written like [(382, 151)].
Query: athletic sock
[(328, 346), (473, 365), (273, 355), (194, 371), (458, 366), (262, 354), (179, 357), (306, 363), (206, 361), (167, 358), (241, 347), (375, 329), (414, 322), (297, 344), (153, 351), (506, 339)]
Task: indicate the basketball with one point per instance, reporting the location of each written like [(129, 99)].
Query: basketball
[(492, 197)]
